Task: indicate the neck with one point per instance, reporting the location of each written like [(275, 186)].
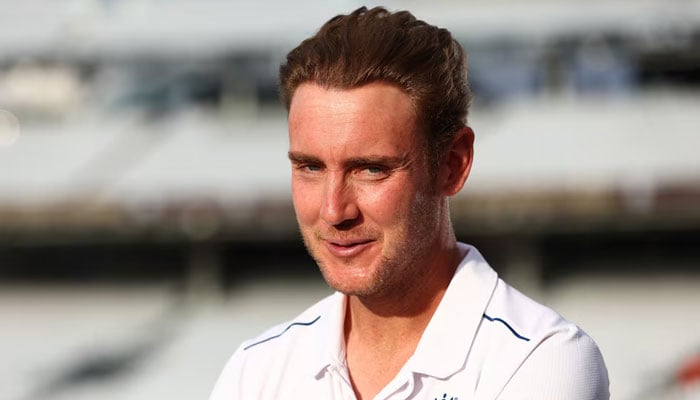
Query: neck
[(381, 334), (405, 312)]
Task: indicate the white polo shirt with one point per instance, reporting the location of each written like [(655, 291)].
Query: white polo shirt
[(486, 340)]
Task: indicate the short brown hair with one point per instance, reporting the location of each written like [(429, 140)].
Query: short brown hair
[(376, 45)]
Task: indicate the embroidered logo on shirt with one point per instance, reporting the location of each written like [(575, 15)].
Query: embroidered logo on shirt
[(444, 397)]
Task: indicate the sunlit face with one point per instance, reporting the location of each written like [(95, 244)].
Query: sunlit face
[(365, 204)]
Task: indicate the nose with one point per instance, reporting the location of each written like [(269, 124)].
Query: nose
[(339, 204)]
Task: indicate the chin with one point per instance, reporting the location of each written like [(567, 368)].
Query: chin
[(341, 278)]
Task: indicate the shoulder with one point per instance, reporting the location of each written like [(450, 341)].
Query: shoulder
[(299, 328), (282, 347), (546, 356), (526, 319), (565, 364), (283, 333)]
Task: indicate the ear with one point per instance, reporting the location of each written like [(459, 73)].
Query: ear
[(457, 162)]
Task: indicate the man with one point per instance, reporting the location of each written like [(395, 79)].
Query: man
[(378, 141)]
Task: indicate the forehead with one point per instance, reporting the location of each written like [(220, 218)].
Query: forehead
[(374, 112), (370, 97)]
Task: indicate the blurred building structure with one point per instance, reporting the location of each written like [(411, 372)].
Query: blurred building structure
[(151, 146), (147, 119)]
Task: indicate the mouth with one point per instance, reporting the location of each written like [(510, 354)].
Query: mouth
[(347, 248)]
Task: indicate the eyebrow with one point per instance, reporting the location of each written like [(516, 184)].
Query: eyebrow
[(376, 160), (302, 158)]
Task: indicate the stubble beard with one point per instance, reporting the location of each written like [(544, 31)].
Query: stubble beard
[(396, 272)]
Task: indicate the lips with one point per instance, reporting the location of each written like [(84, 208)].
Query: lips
[(347, 248)]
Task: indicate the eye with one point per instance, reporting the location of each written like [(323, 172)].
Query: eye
[(306, 167), (374, 171), (311, 167)]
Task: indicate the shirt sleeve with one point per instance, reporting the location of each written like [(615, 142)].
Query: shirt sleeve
[(567, 365)]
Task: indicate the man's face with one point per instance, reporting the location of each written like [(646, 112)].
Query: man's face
[(366, 207)]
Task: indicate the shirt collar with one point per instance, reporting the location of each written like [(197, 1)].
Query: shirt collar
[(447, 340), (330, 350)]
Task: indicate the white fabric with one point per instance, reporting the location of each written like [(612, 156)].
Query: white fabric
[(486, 340)]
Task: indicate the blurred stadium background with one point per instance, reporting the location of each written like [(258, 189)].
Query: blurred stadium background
[(146, 226)]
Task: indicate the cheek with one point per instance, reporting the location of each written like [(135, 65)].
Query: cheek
[(385, 205), (305, 202)]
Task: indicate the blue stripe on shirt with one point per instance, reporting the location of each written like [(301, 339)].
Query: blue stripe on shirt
[(283, 332), (517, 335)]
